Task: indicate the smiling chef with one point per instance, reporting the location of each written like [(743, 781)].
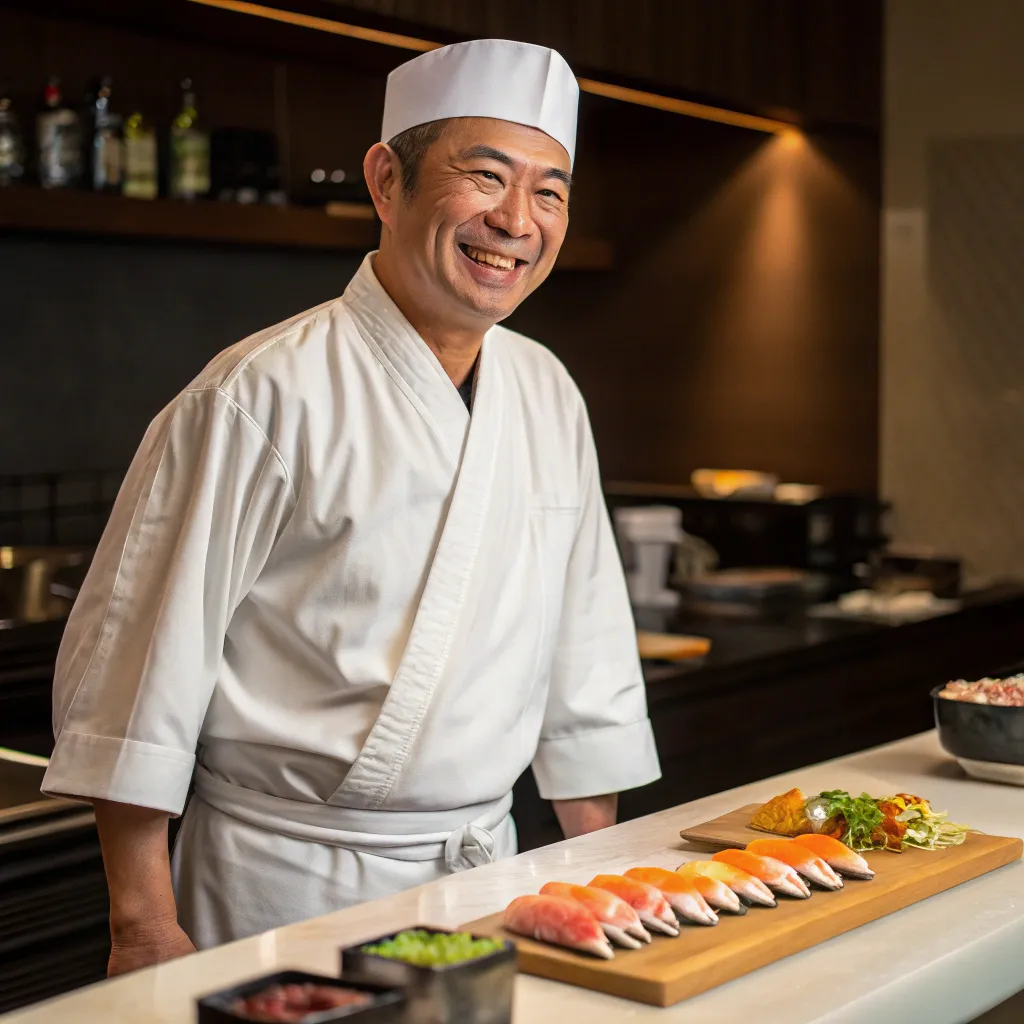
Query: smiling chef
[(360, 574)]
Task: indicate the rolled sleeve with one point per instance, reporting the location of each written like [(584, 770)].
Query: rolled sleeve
[(593, 763), (143, 649), (124, 771), (596, 737)]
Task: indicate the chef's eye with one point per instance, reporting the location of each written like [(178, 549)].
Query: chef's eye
[(548, 193), (489, 175)]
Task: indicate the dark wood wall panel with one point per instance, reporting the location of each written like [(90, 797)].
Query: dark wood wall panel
[(738, 327), (817, 57)]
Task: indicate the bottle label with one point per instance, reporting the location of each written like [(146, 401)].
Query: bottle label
[(108, 160), (190, 164), (60, 150), (140, 180)]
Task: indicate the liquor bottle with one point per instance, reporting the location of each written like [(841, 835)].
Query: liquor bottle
[(59, 134), (140, 159), (104, 147), (189, 150), (12, 147)]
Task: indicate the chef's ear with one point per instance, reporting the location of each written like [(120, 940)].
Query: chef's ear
[(382, 171)]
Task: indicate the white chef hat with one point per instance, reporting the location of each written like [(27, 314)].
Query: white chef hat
[(499, 78)]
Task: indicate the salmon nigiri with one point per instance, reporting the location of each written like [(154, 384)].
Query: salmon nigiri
[(649, 903), (716, 893), (559, 921), (617, 918), (681, 894), (773, 873), (744, 884), (838, 856), (808, 864)]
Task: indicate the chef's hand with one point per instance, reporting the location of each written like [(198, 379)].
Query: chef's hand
[(578, 817), (144, 926), (140, 948)]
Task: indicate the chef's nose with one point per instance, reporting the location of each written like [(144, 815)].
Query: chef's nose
[(512, 214)]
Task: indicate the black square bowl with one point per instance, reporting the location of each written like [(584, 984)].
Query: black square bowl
[(387, 1007), (980, 732), (473, 992)]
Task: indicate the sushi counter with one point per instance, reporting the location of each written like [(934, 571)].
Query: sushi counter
[(947, 958)]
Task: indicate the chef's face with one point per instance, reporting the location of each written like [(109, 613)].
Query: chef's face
[(484, 224)]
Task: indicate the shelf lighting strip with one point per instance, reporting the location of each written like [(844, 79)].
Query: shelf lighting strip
[(703, 111)]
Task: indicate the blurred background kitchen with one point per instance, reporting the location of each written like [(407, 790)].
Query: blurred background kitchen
[(791, 295)]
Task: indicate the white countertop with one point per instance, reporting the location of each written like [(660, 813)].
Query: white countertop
[(944, 960)]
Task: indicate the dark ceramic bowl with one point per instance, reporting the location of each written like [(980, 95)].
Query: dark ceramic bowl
[(473, 992), (980, 732), (387, 1005)]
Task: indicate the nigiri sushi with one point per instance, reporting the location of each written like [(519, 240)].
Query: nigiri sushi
[(744, 884), (559, 921), (716, 893), (772, 873), (617, 918), (808, 864), (836, 855), (681, 894), (649, 903)]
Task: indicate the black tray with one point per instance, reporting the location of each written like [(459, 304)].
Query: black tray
[(387, 1006), (474, 992)]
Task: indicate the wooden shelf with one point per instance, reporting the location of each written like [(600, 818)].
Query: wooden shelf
[(72, 212)]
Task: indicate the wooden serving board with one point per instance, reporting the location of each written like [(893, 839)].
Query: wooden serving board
[(729, 830), (670, 970), (671, 646)]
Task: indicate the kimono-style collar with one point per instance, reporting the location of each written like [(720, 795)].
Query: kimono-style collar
[(409, 360)]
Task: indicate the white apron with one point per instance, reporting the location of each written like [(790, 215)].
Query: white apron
[(367, 612)]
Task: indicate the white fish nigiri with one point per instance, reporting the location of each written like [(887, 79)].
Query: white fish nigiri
[(560, 921)]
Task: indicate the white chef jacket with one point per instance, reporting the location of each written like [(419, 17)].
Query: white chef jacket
[(356, 613)]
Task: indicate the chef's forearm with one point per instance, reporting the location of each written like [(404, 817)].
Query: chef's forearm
[(577, 817), (138, 868)]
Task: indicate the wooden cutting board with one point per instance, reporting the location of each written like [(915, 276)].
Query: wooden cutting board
[(670, 970), (729, 830), (671, 647)]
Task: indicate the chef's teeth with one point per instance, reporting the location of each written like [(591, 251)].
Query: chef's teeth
[(504, 262)]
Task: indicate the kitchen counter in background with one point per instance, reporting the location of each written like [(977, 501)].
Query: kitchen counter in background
[(944, 960), (774, 695)]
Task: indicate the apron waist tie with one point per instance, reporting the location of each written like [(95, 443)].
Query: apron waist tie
[(463, 837)]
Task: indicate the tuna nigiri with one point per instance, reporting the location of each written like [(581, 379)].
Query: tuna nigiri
[(559, 921), (808, 864), (681, 894), (773, 873), (649, 903), (616, 917), (744, 884), (836, 855)]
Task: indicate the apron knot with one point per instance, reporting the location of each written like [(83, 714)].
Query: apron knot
[(470, 846)]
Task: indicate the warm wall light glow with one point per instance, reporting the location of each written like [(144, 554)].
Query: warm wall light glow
[(703, 111), (686, 107)]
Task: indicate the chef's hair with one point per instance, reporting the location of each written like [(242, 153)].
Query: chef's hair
[(410, 147)]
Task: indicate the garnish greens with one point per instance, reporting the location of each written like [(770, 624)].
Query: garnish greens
[(929, 830), (861, 813)]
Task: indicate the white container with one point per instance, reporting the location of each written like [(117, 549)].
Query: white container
[(648, 536)]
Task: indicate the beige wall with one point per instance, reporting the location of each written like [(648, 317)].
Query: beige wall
[(952, 442)]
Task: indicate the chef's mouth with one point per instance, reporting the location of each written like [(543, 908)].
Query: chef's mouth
[(486, 258)]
